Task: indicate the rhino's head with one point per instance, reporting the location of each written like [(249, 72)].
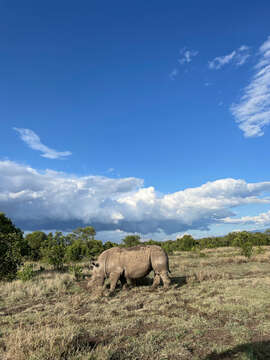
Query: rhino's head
[(94, 267), (97, 273)]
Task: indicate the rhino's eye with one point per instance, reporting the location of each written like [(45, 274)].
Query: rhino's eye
[(97, 264)]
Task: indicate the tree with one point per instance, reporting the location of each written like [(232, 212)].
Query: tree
[(10, 248), (36, 240), (7, 227), (131, 240), (55, 256), (241, 238), (152, 242), (85, 234), (95, 247), (108, 245), (185, 243), (54, 250), (169, 246), (76, 251)]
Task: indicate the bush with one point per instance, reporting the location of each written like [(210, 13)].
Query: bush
[(7, 227), (246, 249), (76, 251), (35, 241), (185, 243), (197, 250), (10, 256), (55, 256), (95, 247), (131, 240), (27, 273), (168, 246), (260, 250), (76, 270)]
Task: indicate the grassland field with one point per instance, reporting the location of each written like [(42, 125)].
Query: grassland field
[(217, 307)]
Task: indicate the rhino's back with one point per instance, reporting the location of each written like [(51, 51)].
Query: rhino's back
[(135, 261)]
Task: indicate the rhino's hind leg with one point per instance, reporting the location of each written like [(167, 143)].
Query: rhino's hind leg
[(156, 281), (129, 283), (123, 281), (166, 280)]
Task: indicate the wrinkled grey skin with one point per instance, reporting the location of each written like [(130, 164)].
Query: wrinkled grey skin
[(130, 264)]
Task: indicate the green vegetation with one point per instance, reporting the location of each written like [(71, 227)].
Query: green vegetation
[(58, 249), (216, 308), (131, 240), (27, 273), (77, 272), (11, 248)]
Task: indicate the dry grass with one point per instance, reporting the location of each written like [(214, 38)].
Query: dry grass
[(216, 308)]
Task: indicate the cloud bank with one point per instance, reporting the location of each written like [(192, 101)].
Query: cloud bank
[(54, 200), (252, 113), (238, 57), (262, 219), (33, 141)]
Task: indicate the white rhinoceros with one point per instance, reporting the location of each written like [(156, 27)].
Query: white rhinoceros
[(130, 263)]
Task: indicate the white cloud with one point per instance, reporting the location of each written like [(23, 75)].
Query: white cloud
[(173, 74), (187, 55), (186, 58), (252, 113), (261, 220), (33, 141), (54, 200), (238, 57)]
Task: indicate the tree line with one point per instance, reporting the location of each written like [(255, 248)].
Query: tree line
[(58, 248)]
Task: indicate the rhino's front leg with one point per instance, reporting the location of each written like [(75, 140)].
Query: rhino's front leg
[(156, 281), (114, 277)]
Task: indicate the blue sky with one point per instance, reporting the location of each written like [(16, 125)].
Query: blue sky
[(148, 117)]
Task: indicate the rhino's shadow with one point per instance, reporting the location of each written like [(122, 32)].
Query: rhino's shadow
[(259, 350), (179, 281)]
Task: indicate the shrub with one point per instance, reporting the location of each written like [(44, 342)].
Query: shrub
[(35, 240), (197, 250), (168, 246), (76, 270), (246, 249), (76, 251), (260, 250), (10, 256), (185, 243), (95, 248), (131, 240), (27, 273), (54, 256)]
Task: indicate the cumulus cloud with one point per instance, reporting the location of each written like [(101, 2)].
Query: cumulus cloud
[(55, 200), (33, 141), (252, 113), (187, 55), (238, 57)]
